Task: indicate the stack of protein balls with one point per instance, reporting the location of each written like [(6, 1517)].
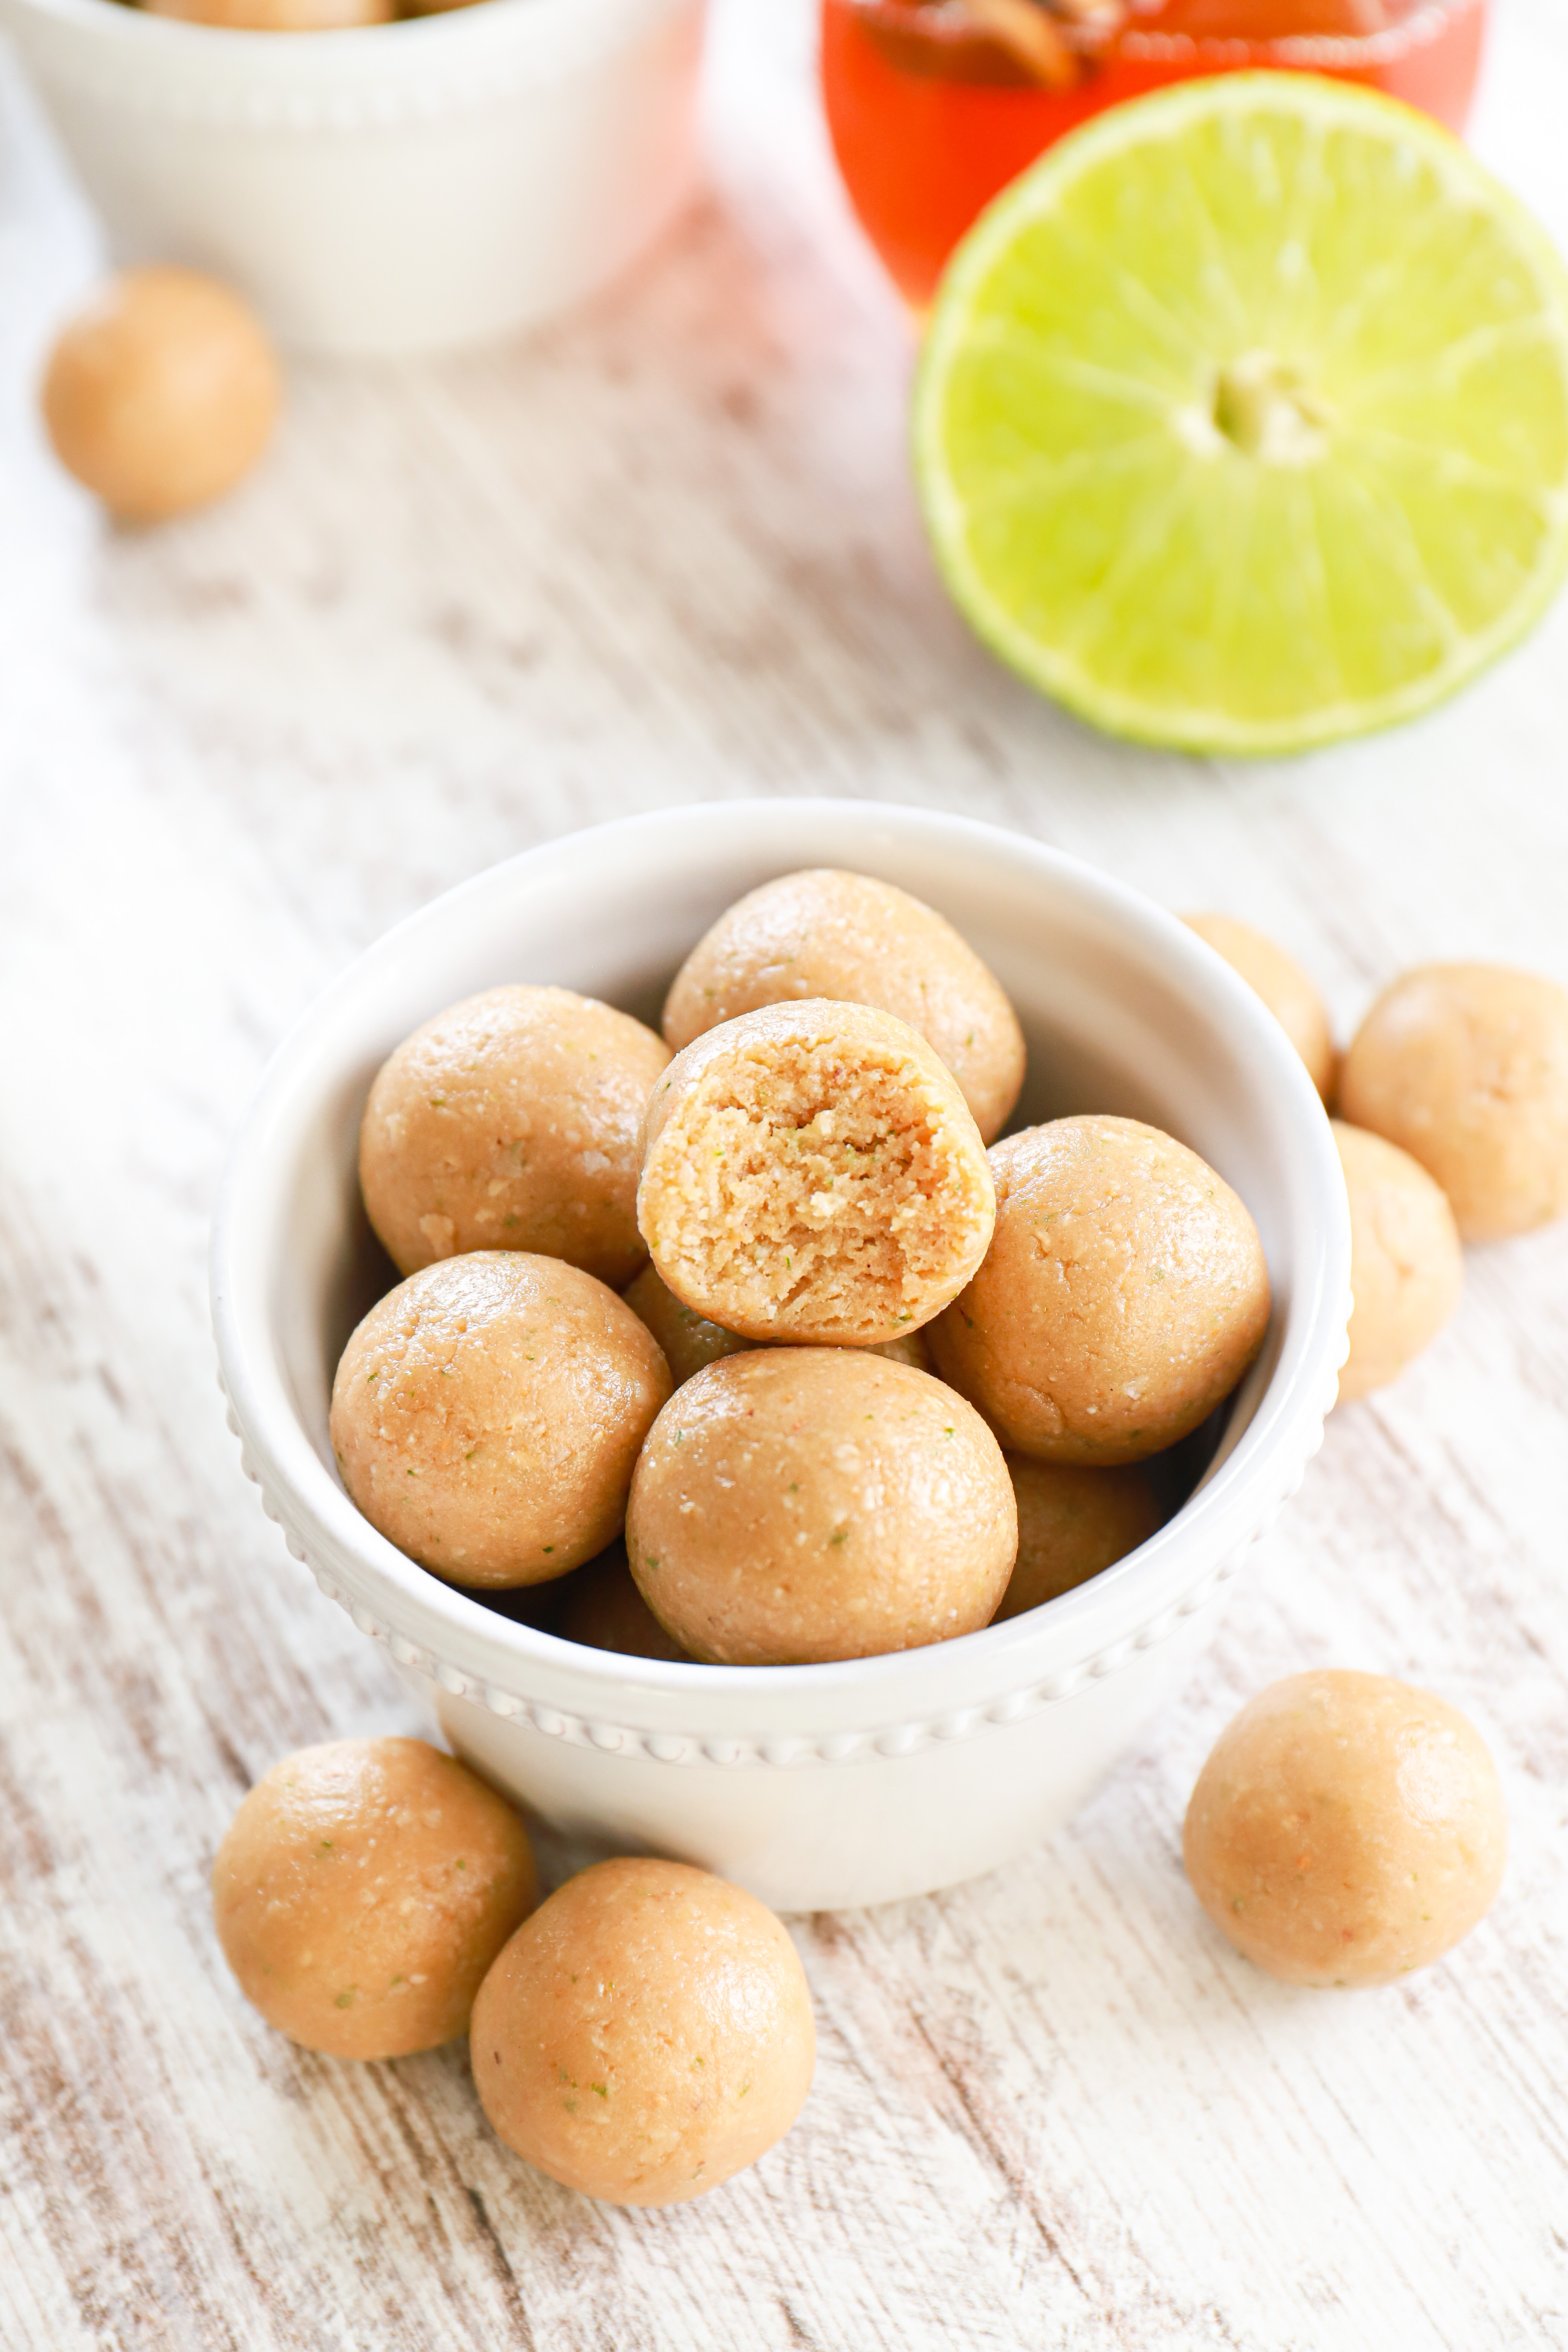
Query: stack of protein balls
[(876, 1385)]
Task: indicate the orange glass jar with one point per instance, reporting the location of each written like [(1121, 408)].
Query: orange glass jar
[(935, 105)]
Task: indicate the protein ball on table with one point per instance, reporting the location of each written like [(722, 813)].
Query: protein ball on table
[(1346, 1829), (1125, 1294), (486, 1414), (799, 1504), (646, 2034), (1284, 987), (363, 1890), (512, 1121), (1408, 1268), (1073, 1522), (811, 1173), (603, 1609), (161, 394), (1464, 1065), (827, 933)]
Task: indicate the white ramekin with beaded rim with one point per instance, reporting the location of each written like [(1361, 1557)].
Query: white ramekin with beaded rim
[(393, 188), (816, 1786)]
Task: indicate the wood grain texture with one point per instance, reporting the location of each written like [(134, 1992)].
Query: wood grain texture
[(666, 551)]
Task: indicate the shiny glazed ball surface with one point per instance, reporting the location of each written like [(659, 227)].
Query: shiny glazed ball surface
[(1346, 1829), (486, 1414), (161, 394), (361, 1892), (646, 2034)]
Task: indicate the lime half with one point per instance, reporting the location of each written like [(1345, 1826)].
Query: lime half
[(1242, 423)]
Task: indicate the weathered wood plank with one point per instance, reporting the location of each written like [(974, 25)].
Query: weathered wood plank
[(667, 551)]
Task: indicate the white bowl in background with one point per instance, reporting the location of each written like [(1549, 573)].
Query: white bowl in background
[(395, 188), (827, 1785)]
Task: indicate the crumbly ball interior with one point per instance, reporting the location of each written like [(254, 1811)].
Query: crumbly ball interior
[(799, 1176)]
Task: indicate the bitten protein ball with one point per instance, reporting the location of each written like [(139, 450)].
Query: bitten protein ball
[(1346, 1829), (161, 394), (486, 1414), (1073, 1521), (1282, 984), (811, 1173), (603, 1608), (513, 1121), (1408, 1268), (1464, 1065), (646, 2034), (827, 933), (800, 1503), (361, 1892), (1125, 1294)]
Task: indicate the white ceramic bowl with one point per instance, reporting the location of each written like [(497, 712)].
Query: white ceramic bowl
[(815, 1785), (395, 188)]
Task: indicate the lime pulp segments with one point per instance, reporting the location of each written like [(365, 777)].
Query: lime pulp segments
[(1242, 423)]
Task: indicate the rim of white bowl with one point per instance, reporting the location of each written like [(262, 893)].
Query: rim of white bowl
[(734, 1714), (414, 67)]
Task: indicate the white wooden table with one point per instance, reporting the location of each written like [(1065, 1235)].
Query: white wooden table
[(669, 552)]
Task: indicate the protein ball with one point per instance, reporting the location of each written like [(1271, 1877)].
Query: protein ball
[(603, 1608), (1346, 1829), (811, 1173), (1282, 984), (512, 1121), (1408, 1268), (361, 1892), (828, 933), (646, 2034), (1124, 1296), (799, 1504), (1464, 1065), (910, 1348), (161, 394), (690, 1340), (1073, 1522), (486, 1414)]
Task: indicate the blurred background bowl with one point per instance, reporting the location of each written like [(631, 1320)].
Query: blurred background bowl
[(395, 188), (875, 1778)]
